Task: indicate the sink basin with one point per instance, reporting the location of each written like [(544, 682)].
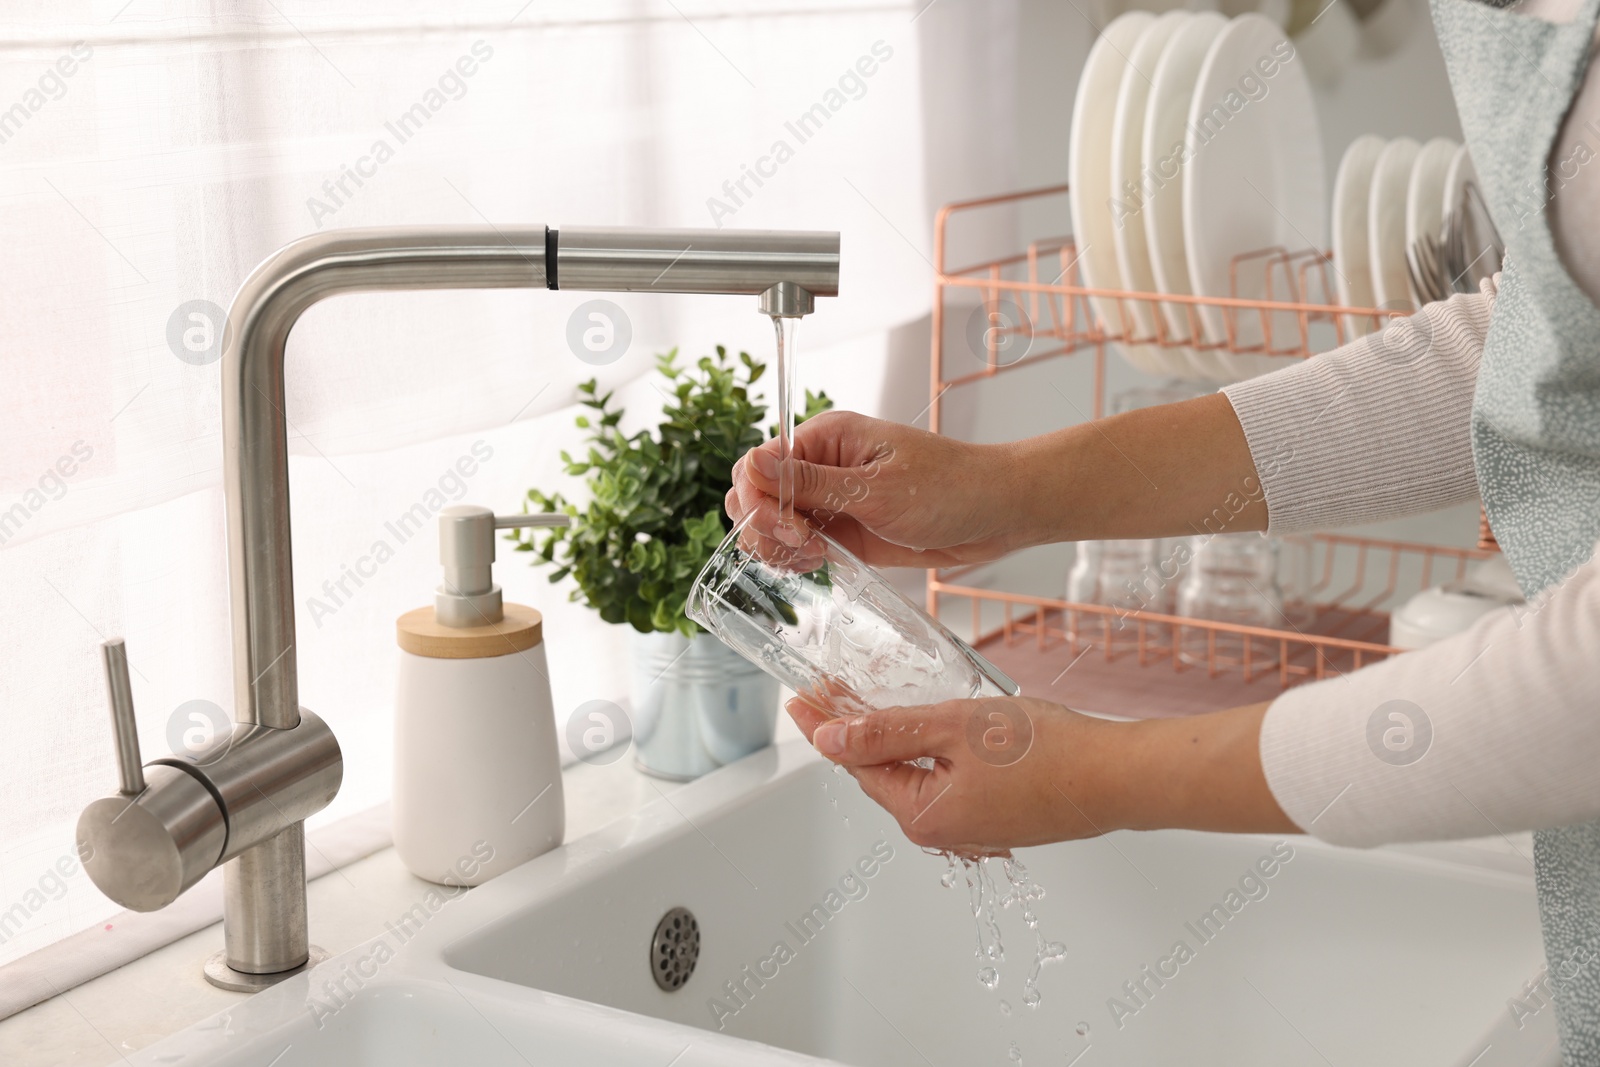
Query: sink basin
[(825, 934)]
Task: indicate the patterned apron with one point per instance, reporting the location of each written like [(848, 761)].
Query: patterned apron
[(1536, 414)]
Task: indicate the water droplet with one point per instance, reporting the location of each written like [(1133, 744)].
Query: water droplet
[(1015, 1053), (988, 977), (838, 768), (1082, 1030), (1031, 998), (1005, 1007)]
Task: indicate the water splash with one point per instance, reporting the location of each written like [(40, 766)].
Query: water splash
[(1024, 892), (983, 896), (827, 791), (986, 899)]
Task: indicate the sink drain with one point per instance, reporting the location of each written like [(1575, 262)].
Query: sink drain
[(675, 949)]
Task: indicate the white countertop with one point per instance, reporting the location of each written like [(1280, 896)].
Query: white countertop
[(163, 992)]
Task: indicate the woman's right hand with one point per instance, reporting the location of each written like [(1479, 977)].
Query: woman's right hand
[(891, 494)]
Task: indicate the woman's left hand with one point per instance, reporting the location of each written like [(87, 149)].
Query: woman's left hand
[(1009, 772)]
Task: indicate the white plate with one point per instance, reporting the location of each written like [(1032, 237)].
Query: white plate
[(1129, 185), (1255, 177), (1351, 262), (1162, 150), (1425, 192), (1386, 225), (1089, 178)]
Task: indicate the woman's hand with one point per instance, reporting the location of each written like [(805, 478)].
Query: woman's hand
[(891, 494), (1010, 772), (899, 496)]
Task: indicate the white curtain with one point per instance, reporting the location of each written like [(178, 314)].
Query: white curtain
[(152, 153)]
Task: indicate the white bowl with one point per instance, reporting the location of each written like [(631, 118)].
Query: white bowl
[(1437, 613)]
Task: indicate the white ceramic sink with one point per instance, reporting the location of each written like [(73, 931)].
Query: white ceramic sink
[(1338, 957)]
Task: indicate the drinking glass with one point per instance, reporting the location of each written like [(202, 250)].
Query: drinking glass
[(828, 626), (1121, 574), (1231, 578)]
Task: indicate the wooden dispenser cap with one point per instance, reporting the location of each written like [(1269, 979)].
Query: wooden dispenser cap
[(421, 634)]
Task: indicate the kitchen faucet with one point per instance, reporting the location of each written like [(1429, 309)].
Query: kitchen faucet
[(242, 801)]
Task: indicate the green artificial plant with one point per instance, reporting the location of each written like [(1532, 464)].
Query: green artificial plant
[(655, 512)]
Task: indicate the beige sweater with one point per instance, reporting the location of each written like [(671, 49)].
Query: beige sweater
[(1380, 428)]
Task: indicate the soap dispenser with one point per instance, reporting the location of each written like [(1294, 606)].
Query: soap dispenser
[(477, 772)]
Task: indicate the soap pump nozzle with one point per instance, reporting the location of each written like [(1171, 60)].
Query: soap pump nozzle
[(468, 596)]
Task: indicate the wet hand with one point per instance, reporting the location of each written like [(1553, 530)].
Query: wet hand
[(1007, 772), (893, 495)]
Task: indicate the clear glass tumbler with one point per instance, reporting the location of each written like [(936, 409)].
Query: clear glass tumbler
[(1231, 578), (1121, 574), (826, 625)]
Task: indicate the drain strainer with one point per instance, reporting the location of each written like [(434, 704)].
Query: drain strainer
[(675, 949)]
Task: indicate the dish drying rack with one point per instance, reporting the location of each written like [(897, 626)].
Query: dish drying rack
[(1099, 657)]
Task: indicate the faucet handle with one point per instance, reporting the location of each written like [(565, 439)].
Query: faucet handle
[(124, 727), (538, 518), (159, 835)]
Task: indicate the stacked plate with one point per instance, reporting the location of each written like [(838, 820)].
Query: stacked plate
[(1387, 198), (1194, 142)]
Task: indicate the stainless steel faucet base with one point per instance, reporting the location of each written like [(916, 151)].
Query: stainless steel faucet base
[(219, 974)]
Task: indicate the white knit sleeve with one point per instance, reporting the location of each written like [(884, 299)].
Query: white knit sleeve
[(1492, 731), (1377, 428)]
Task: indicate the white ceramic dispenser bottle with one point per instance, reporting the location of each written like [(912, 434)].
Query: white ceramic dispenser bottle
[(477, 773)]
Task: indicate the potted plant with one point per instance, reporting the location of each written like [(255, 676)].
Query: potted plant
[(655, 514)]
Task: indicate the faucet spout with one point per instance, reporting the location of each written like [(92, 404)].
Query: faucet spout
[(786, 269)]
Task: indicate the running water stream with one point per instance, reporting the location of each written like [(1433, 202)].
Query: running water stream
[(785, 328)]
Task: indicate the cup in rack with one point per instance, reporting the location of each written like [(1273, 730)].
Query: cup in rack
[(1233, 579)]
